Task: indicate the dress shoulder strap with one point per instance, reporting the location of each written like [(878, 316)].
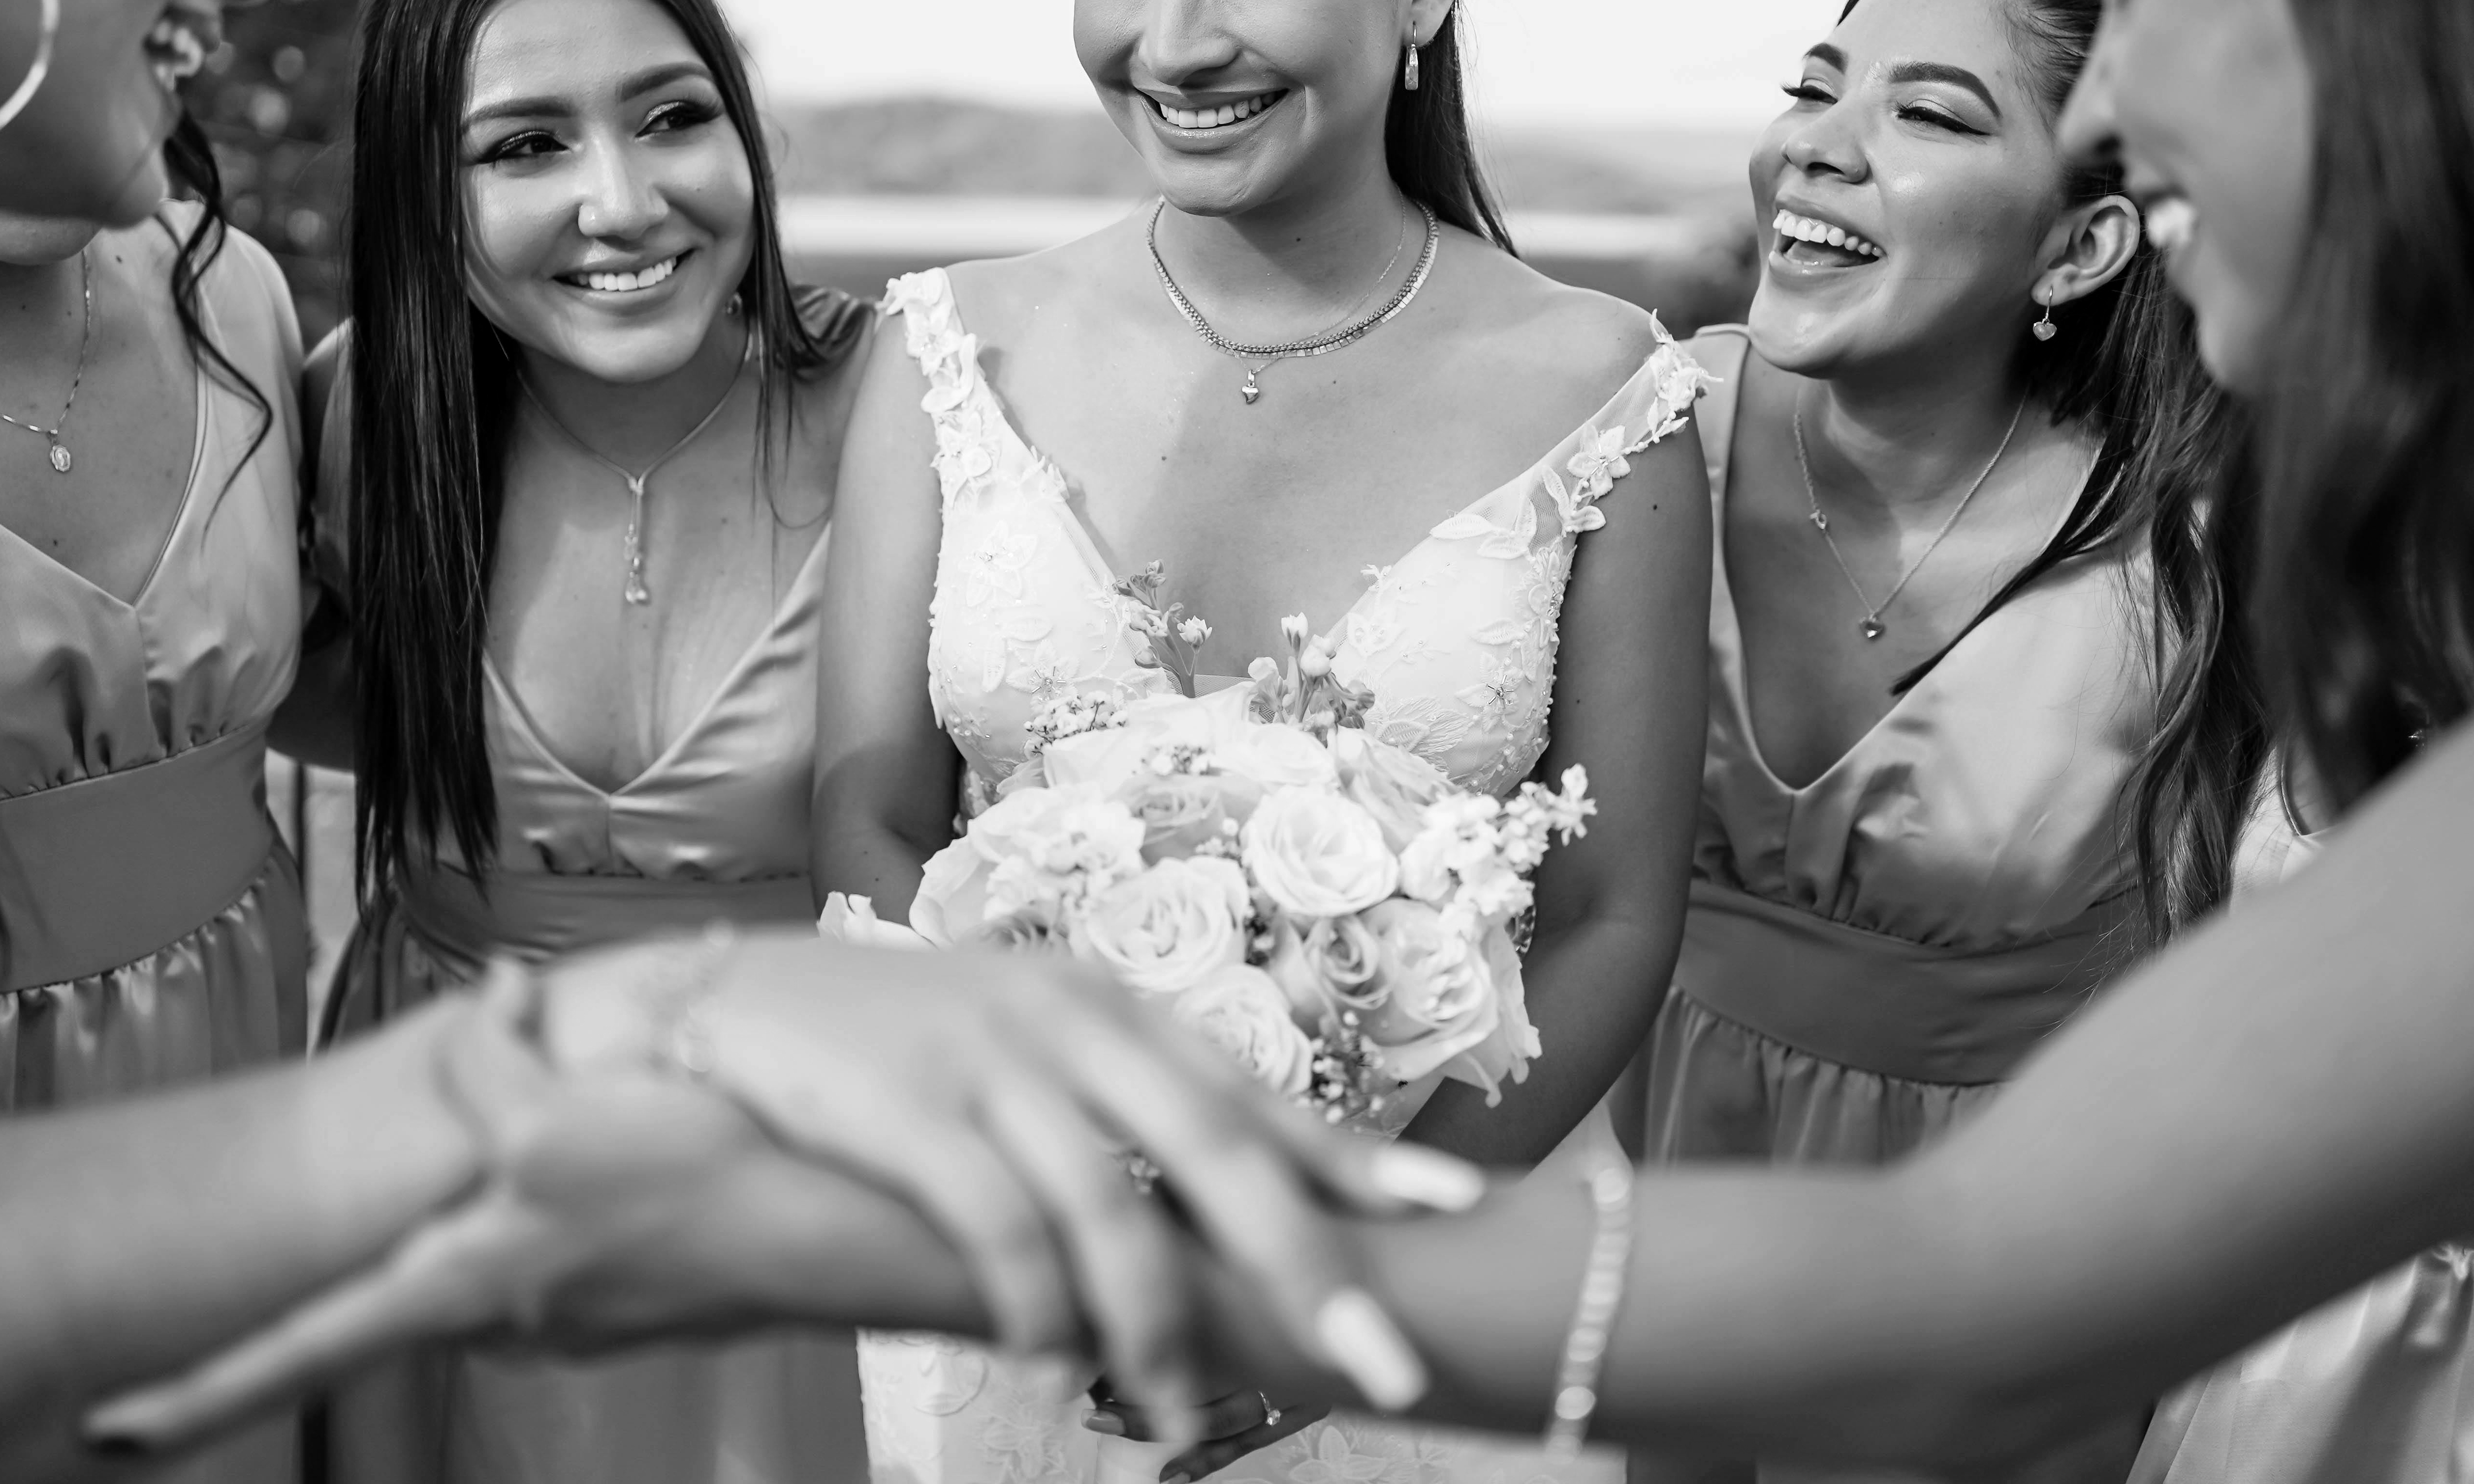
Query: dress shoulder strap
[(959, 402), (1724, 349)]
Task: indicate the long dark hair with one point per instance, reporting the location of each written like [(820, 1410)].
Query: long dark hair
[(1428, 144), (434, 400), (190, 160), (2125, 363), (2364, 610)]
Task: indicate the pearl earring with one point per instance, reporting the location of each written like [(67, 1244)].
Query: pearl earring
[(1409, 74), (2045, 328)]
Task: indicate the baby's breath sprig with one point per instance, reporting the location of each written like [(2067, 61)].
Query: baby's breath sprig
[(1347, 1070)]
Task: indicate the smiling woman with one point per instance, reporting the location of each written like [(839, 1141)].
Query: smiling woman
[(580, 436)]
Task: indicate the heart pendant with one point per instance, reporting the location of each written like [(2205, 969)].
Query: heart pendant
[(2044, 329), (60, 459), (1250, 391), (1872, 628)]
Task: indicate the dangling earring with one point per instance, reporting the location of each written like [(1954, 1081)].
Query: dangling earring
[(2045, 328), (1409, 74)]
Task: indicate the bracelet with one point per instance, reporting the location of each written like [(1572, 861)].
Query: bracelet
[(1602, 1286), (682, 1037)]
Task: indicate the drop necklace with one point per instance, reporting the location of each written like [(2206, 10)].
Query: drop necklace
[(636, 590), (59, 453), (1323, 344), (1871, 626)]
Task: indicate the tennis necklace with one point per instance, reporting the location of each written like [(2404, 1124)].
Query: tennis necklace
[(1871, 626), (1323, 344), (636, 590), (60, 459)]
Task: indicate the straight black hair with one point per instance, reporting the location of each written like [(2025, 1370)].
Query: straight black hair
[(2124, 362), (433, 400), (1429, 145), (2364, 606)]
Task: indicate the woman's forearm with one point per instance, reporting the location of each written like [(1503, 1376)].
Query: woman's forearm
[(141, 1235), (1593, 991)]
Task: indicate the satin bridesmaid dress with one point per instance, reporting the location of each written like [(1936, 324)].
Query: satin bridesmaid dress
[(714, 829), (151, 924), (1866, 958)]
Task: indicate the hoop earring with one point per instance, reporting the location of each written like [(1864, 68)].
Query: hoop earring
[(2045, 328), (1409, 74), (41, 67)]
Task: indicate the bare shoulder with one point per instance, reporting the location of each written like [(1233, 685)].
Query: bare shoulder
[(1534, 325), (1000, 296)]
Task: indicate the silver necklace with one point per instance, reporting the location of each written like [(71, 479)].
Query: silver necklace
[(1871, 626), (1322, 344), (636, 590), (60, 459)]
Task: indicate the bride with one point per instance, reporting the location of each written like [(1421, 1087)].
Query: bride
[(1314, 378)]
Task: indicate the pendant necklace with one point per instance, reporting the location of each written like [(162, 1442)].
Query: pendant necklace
[(1871, 626), (60, 454), (636, 590), (1323, 344)]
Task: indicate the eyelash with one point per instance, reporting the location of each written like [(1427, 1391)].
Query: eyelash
[(675, 116), (1810, 92)]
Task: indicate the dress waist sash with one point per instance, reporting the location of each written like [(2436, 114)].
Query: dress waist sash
[(536, 917), (1886, 1005), (97, 874)]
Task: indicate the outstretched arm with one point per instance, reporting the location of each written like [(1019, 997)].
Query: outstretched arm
[(2271, 1112), (887, 777), (1629, 707)]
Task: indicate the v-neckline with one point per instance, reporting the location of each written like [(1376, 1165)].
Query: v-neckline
[(539, 743), (202, 405), (1739, 665), (1087, 541)]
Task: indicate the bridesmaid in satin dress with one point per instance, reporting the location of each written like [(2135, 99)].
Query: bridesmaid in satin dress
[(151, 926), (1961, 414), (574, 493)]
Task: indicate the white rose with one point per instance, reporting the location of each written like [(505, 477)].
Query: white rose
[(853, 919), (1508, 1049), (1051, 849), (1239, 1010), (1278, 756), (1169, 928), (1317, 855), (1182, 813), (1395, 785), (1439, 991), (953, 897), (1327, 966)]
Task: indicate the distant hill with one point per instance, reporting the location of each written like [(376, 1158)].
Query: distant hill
[(937, 146)]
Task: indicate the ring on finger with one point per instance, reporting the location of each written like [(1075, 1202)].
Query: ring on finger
[(1270, 1413)]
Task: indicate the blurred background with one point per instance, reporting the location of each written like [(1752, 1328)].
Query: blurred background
[(911, 132)]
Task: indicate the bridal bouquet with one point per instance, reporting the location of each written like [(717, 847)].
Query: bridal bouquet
[(1326, 906)]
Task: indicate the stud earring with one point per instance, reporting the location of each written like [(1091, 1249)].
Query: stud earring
[(1409, 74), (732, 308), (2045, 328)]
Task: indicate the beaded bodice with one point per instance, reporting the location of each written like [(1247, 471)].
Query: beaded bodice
[(1456, 637)]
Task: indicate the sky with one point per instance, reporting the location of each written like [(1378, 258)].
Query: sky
[(1559, 63)]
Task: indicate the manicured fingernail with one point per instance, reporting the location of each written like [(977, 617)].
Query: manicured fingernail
[(1427, 1177), (1109, 1423), (1369, 1350), (1179, 1478)]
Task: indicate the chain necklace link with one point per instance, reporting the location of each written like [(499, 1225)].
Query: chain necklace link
[(59, 453), (1321, 344), (1871, 626), (637, 591)]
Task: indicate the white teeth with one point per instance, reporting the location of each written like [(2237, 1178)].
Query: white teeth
[(1804, 229), (2170, 222), (630, 282), (1215, 118)]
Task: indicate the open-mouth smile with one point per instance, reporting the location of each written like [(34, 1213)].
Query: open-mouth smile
[(1803, 239), (635, 282), (1226, 116)]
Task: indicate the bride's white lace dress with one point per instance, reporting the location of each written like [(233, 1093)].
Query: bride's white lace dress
[(1457, 640)]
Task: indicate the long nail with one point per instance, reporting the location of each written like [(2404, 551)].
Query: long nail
[(1369, 1350), (1107, 1423), (1179, 1478), (1426, 1177)]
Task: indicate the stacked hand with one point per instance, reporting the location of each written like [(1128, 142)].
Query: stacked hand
[(907, 1140)]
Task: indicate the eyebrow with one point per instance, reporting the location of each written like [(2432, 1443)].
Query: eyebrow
[(635, 85), (1943, 72)]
